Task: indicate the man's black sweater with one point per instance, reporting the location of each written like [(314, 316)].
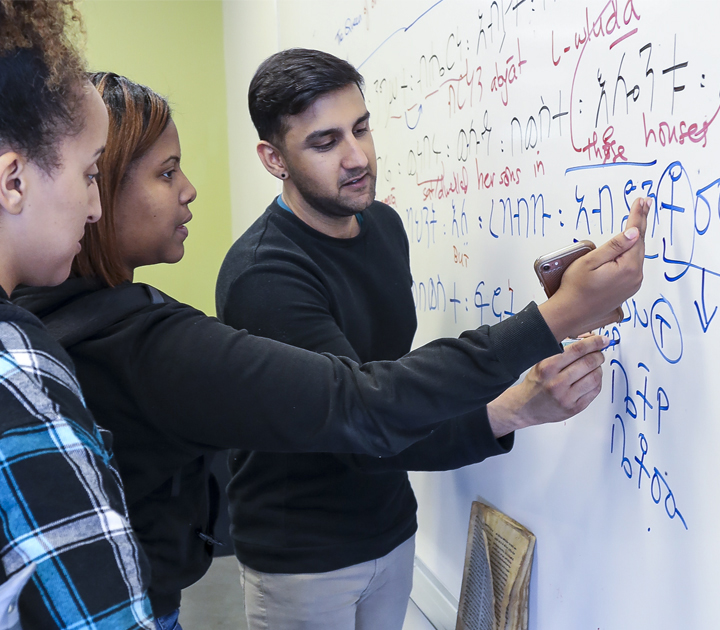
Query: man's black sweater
[(311, 513)]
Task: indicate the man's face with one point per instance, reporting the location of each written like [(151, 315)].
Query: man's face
[(329, 154)]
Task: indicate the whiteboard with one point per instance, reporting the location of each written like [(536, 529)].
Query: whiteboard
[(505, 130)]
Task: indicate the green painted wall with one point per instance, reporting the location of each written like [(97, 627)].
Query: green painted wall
[(176, 48)]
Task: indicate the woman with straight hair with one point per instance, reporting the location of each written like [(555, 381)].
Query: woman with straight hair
[(65, 538), (175, 386)]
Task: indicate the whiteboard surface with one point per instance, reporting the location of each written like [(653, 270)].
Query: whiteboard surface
[(505, 130)]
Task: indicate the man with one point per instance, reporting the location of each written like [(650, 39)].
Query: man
[(327, 541)]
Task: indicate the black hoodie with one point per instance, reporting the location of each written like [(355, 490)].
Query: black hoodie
[(174, 385)]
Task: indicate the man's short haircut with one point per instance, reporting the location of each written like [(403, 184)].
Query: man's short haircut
[(288, 82)]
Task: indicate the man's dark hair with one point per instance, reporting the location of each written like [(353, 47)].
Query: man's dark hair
[(288, 82)]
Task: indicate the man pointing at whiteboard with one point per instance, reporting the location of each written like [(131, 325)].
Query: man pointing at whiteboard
[(326, 540)]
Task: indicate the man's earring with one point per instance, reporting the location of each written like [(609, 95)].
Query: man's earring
[(284, 175)]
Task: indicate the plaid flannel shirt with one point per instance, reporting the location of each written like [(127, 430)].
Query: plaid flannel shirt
[(61, 501)]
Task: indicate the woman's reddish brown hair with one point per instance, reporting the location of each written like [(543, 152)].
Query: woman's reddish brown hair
[(138, 116)]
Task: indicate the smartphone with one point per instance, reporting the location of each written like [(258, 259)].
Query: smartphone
[(551, 267)]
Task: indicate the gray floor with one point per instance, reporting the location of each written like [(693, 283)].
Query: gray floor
[(215, 602)]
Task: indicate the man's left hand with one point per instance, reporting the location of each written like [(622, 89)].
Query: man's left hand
[(553, 390)]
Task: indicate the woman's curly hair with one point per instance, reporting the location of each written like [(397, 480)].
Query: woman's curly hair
[(41, 75)]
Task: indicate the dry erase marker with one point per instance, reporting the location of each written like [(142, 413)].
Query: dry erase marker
[(570, 341)]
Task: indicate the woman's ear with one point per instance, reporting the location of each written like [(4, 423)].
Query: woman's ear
[(272, 159), (12, 182)]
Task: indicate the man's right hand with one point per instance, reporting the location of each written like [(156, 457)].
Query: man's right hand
[(596, 284)]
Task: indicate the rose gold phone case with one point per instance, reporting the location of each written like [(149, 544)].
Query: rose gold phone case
[(551, 267)]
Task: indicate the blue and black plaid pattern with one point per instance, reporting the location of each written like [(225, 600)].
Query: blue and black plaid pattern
[(61, 502)]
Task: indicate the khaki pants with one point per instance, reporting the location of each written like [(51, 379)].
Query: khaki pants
[(368, 596)]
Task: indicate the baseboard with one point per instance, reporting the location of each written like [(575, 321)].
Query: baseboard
[(432, 598)]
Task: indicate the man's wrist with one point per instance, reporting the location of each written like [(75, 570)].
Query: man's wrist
[(504, 413), (561, 318)]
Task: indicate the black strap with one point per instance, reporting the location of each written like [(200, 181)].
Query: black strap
[(94, 312), (214, 500)]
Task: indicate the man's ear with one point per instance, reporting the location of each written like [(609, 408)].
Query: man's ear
[(13, 169), (272, 160)]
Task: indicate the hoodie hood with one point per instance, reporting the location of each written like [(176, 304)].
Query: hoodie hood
[(80, 308), (43, 301)]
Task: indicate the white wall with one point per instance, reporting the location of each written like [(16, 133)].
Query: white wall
[(250, 37), (471, 144)]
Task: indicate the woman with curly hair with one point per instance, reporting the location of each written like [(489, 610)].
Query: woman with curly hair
[(63, 518)]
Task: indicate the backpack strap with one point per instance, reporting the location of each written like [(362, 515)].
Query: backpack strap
[(94, 312)]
